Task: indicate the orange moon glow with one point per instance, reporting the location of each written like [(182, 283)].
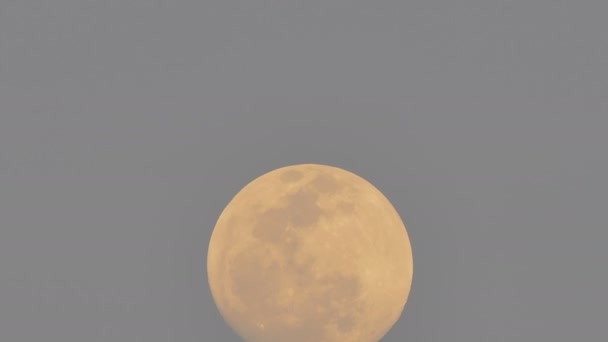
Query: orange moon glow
[(310, 253)]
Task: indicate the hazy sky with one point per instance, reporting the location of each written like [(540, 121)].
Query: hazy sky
[(126, 127)]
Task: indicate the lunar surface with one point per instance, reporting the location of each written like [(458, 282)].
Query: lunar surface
[(310, 253)]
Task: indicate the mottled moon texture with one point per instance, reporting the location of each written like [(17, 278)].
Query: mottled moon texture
[(310, 253)]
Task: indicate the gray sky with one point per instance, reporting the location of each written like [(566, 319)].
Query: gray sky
[(127, 126)]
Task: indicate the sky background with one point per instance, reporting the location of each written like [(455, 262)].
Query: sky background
[(127, 126)]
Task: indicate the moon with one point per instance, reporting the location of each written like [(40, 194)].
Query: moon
[(310, 253)]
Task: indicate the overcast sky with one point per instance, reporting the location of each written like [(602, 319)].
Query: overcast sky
[(126, 127)]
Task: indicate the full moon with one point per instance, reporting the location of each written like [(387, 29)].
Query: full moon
[(310, 253)]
